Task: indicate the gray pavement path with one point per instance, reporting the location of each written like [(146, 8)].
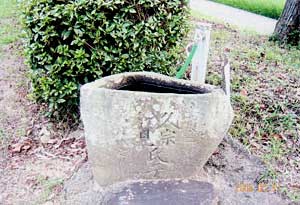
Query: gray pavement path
[(236, 17)]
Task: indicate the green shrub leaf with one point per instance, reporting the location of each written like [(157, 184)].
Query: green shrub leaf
[(72, 42)]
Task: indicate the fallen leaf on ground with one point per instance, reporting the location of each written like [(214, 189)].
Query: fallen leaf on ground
[(23, 145), (244, 92)]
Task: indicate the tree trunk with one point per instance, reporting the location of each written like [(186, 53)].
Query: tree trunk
[(288, 26)]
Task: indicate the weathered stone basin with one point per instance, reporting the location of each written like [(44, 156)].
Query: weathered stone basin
[(149, 126)]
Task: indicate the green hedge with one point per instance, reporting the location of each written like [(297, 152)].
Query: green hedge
[(72, 42)]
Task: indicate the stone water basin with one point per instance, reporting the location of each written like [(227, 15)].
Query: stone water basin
[(144, 125)]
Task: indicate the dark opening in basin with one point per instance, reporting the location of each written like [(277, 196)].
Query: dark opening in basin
[(148, 84)]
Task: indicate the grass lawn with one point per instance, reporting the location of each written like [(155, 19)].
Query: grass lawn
[(9, 26), (7, 8), (269, 8)]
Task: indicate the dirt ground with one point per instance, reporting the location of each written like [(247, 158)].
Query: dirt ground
[(35, 157)]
